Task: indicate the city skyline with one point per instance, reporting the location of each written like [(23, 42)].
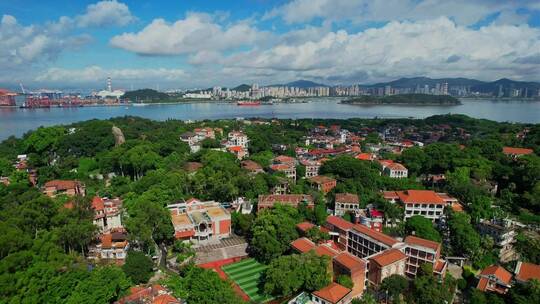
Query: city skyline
[(190, 44)]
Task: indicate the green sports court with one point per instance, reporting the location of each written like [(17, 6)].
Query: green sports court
[(246, 274)]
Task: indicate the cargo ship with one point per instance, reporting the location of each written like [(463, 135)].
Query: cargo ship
[(249, 103), (36, 102)]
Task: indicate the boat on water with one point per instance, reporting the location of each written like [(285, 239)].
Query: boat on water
[(248, 103), (139, 104)]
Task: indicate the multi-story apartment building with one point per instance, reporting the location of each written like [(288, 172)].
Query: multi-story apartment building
[(346, 202), (238, 138), (385, 264), (199, 221), (503, 233), (312, 168), (107, 213), (338, 229), (363, 241), (420, 251), (426, 203)]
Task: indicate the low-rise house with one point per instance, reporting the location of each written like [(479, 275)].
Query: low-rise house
[(495, 279), (526, 272), (203, 133), (312, 167), (426, 203), (385, 264), (516, 152), (323, 183), (394, 170), (251, 166), (155, 294), (332, 294), (268, 201), (281, 187), (346, 202), (107, 213), (192, 167), (283, 159), (421, 251), (289, 170), (113, 245), (199, 221), (238, 151), (67, 187), (366, 156)]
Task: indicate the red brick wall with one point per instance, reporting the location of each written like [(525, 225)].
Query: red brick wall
[(225, 227)]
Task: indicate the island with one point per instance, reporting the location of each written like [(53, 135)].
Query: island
[(405, 99)]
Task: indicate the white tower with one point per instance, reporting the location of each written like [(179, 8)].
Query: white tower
[(109, 84)]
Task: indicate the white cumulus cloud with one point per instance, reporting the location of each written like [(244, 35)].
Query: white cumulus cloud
[(195, 33), (437, 47), (105, 13)]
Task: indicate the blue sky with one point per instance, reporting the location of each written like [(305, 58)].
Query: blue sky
[(182, 44)]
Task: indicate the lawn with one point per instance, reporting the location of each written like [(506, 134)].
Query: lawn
[(246, 274)]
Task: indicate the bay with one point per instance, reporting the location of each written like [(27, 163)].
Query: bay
[(16, 121)]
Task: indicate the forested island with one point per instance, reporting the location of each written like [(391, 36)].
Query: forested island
[(406, 99), (492, 168)]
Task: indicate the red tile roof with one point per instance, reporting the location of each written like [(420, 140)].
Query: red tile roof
[(62, 184), (281, 167), (326, 250), (332, 293), (390, 195), (396, 166), (350, 262), (528, 271), (265, 201), (235, 149), (379, 236), (321, 179), (502, 274), (303, 245), (165, 299), (97, 203), (388, 257), (413, 240), (184, 234), (304, 226), (365, 156), (420, 196), (347, 198), (482, 284), (251, 165), (517, 151), (284, 159), (439, 266), (339, 222)]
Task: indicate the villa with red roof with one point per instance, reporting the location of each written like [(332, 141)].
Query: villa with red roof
[(346, 202), (426, 203), (67, 187), (516, 152), (495, 279), (526, 272), (333, 294), (394, 170), (155, 294), (107, 213), (323, 183)]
